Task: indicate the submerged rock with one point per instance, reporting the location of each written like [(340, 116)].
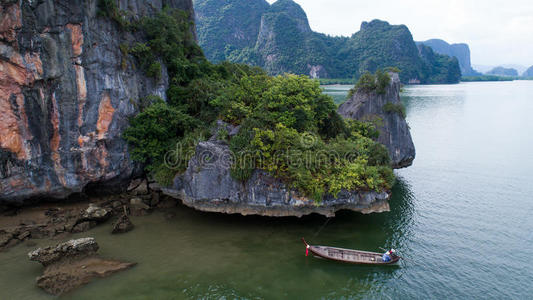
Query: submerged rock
[(72, 264), (122, 225), (393, 128), (208, 186), (138, 207), (66, 276)]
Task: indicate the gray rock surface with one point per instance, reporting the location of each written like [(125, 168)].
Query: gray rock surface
[(208, 186), (72, 264), (73, 248), (65, 96), (96, 213), (394, 130), (122, 225)]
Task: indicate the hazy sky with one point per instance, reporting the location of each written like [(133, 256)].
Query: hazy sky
[(497, 31)]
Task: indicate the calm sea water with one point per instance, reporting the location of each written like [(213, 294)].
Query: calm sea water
[(461, 214)]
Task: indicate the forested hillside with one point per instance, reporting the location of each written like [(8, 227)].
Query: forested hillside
[(278, 38)]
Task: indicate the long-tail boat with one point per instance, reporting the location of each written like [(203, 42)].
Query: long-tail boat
[(349, 255)]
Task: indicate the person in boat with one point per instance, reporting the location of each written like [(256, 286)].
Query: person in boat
[(389, 255)]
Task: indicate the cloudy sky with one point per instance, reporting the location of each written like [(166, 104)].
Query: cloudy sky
[(497, 31)]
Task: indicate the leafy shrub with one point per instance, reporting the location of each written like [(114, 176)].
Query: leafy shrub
[(393, 69), (154, 70), (398, 108), (293, 132), (153, 132), (124, 50), (371, 82), (281, 118), (366, 83), (109, 8), (383, 80), (223, 135)]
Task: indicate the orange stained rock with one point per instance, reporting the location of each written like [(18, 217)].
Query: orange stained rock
[(13, 121), (105, 116), (76, 36), (82, 91)]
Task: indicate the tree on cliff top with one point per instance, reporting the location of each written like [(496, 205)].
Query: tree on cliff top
[(275, 113)]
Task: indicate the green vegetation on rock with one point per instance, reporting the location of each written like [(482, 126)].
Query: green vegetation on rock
[(369, 82), (289, 128), (398, 108)]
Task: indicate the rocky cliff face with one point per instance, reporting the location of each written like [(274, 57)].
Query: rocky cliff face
[(66, 94), (278, 38), (241, 21), (460, 51), (208, 186), (393, 129)]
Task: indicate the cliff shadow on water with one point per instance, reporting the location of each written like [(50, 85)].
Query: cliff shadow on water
[(348, 229)]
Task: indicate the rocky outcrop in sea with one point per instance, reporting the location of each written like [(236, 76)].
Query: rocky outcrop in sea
[(393, 128), (207, 185), (66, 93), (72, 264)]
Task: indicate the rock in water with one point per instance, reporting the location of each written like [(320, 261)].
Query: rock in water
[(73, 264), (208, 186), (393, 130), (123, 224), (96, 213), (73, 248), (66, 276)]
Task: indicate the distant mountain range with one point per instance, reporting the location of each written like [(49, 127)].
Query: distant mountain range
[(460, 51), (486, 68), (278, 38), (501, 71)]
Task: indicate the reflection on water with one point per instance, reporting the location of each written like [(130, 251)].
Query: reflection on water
[(460, 214)]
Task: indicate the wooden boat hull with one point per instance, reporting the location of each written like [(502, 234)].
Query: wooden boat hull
[(349, 256)]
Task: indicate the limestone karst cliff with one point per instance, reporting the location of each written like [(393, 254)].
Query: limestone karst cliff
[(67, 92), (460, 51), (394, 130), (278, 38), (207, 185)]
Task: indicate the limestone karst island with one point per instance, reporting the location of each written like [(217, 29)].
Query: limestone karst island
[(265, 149)]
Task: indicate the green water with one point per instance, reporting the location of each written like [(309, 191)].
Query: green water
[(338, 92), (461, 213)]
